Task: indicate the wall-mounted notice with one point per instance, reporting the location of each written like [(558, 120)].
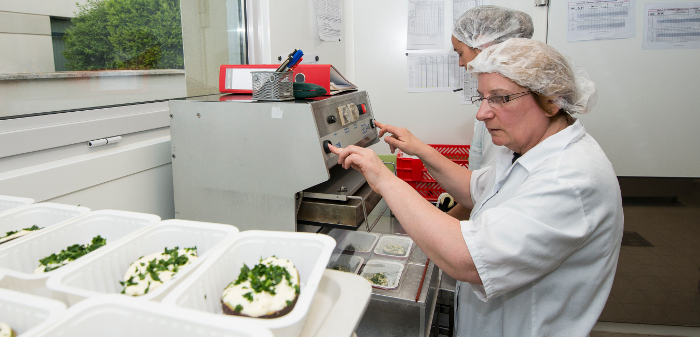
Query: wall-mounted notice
[(433, 72), (600, 20), (329, 18), (470, 85), (461, 6), (426, 24), (672, 26)]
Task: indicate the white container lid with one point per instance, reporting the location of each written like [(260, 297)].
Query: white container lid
[(26, 314), (352, 262), (392, 271), (359, 242), (19, 258), (309, 252), (42, 214), (405, 242), (101, 273), (7, 202), (117, 316)]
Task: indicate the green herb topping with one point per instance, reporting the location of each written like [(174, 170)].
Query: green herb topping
[(55, 261), (29, 229), (154, 267)]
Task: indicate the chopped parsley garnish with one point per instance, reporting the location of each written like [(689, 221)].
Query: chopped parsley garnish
[(29, 229), (154, 267), (264, 277), (289, 303), (55, 261), (238, 308), (249, 296)]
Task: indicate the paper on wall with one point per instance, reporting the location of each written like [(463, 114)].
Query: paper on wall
[(671, 26), (329, 18), (600, 20), (426, 24), (470, 85), (461, 6), (433, 72)]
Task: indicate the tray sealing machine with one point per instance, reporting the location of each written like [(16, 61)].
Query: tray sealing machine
[(266, 165)]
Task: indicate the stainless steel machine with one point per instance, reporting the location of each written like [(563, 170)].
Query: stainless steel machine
[(266, 165)]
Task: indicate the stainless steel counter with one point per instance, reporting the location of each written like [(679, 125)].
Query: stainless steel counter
[(396, 312)]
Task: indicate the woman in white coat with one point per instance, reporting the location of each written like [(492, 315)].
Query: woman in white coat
[(478, 28), (539, 253)]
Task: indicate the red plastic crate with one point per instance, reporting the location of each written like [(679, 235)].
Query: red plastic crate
[(415, 174), (411, 169), (428, 190)]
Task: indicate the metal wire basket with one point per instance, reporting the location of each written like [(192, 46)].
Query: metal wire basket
[(273, 86)]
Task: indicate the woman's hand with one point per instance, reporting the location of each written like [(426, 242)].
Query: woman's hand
[(400, 138), (365, 161)]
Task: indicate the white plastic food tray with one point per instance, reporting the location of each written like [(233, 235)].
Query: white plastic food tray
[(354, 263), (8, 202), (118, 316), (392, 270), (309, 253), (26, 313), (363, 242), (386, 240), (19, 258), (101, 273), (43, 215)]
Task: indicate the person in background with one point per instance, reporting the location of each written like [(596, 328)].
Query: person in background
[(537, 256), (478, 28)]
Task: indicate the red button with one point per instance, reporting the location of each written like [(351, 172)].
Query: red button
[(363, 110)]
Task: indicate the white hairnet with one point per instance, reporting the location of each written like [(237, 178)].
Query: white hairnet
[(483, 26), (540, 68)]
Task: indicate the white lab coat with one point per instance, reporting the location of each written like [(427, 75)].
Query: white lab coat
[(482, 151), (545, 236)]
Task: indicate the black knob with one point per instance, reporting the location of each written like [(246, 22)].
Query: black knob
[(330, 119), (326, 149), (371, 123)]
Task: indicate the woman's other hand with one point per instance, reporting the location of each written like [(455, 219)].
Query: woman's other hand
[(365, 161), (400, 138)]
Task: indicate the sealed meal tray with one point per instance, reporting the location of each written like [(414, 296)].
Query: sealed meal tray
[(359, 242), (23, 222), (345, 262), (394, 246), (383, 274)]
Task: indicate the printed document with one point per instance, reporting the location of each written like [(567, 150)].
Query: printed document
[(600, 20), (671, 26), (433, 72), (328, 16), (470, 85), (426, 24)]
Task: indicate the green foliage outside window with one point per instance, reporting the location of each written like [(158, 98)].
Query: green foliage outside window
[(125, 34)]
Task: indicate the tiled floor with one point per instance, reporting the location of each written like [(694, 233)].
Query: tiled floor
[(659, 285)]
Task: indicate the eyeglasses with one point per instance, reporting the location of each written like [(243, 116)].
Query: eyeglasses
[(497, 101)]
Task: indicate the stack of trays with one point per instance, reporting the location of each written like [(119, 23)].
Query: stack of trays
[(81, 298)]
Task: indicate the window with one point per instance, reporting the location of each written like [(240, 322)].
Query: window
[(98, 53)]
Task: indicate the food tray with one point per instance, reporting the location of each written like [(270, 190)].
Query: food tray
[(385, 240), (392, 270), (42, 214), (100, 273), (364, 241), (26, 313), (118, 316), (309, 252), (354, 263), (19, 258), (409, 168), (7, 202)]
